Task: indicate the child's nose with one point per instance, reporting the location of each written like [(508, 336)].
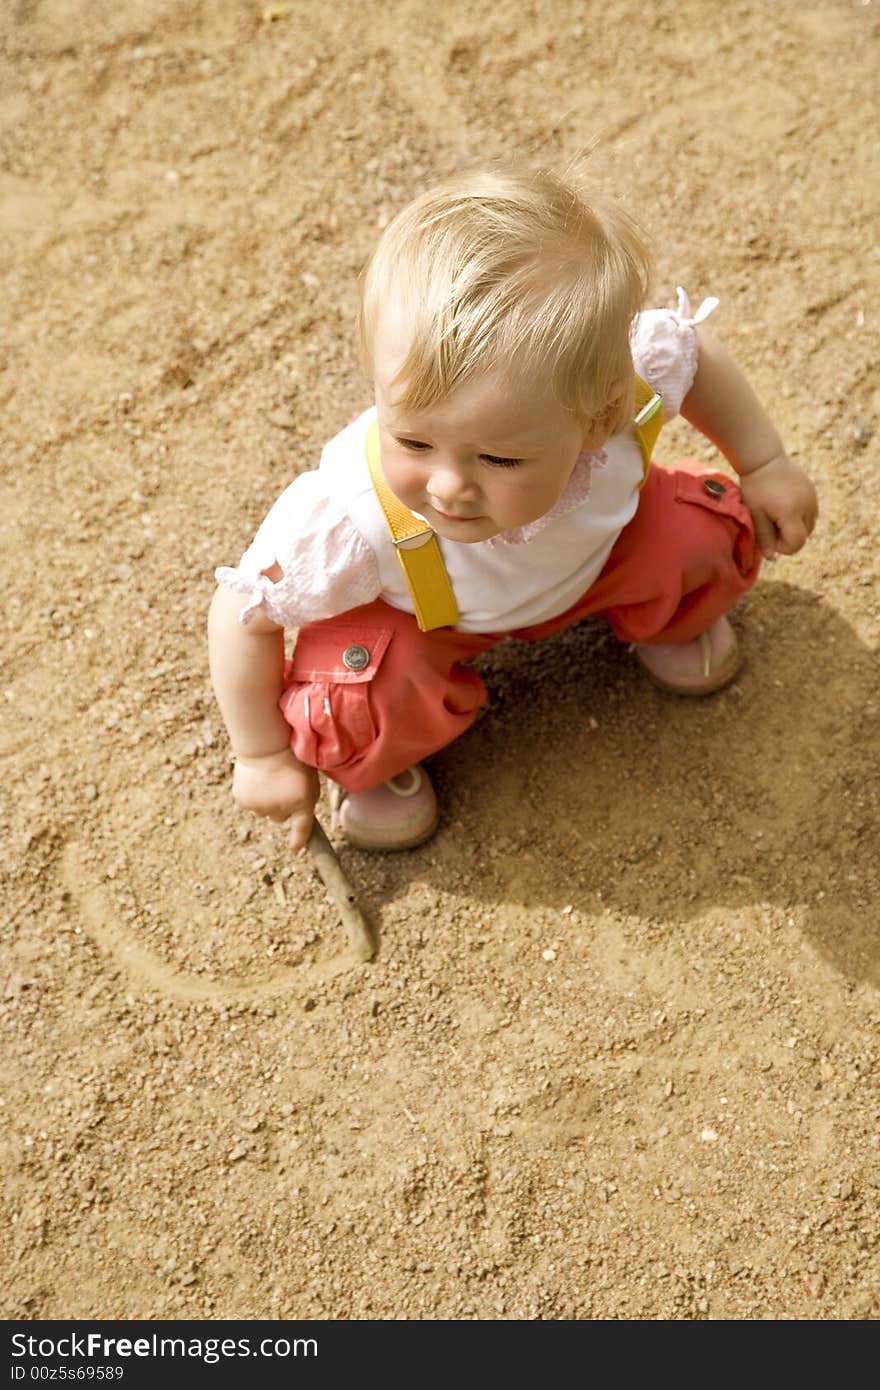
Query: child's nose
[(449, 483)]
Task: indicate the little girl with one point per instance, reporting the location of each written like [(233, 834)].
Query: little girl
[(501, 486)]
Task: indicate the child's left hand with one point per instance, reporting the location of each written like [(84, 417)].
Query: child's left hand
[(783, 504)]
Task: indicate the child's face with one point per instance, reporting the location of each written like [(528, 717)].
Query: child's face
[(495, 455)]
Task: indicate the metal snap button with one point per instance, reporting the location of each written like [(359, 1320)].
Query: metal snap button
[(714, 488), (355, 657)]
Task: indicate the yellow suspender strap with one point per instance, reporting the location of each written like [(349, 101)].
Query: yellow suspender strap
[(648, 422), (417, 550)]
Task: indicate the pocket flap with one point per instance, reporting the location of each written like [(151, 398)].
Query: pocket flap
[(711, 490), (338, 654)]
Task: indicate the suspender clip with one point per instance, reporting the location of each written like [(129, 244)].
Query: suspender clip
[(648, 410), (413, 542)]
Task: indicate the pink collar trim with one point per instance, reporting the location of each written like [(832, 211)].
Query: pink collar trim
[(575, 493)]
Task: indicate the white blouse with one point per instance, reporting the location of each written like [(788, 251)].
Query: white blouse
[(328, 535)]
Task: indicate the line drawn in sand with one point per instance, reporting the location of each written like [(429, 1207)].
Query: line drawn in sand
[(146, 970)]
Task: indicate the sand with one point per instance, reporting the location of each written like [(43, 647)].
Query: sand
[(617, 1056)]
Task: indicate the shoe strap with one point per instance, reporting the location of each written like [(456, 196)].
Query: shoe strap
[(706, 652)]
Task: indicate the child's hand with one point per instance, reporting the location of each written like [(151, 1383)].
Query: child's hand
[(279, 786), (783, 504)]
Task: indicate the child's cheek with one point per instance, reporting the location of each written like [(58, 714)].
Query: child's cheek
[(402, 474)]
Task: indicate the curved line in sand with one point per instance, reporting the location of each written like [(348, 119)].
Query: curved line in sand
[(149, 971)]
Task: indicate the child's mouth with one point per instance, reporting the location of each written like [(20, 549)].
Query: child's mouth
[(447, 516)]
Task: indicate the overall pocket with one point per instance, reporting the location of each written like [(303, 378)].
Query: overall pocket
[(720, 500), (326, 700)]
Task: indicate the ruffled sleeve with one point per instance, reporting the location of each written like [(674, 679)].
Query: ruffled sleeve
[(666, 351), (327, 565)]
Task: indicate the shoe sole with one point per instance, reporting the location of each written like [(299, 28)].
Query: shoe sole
[(362, 842)]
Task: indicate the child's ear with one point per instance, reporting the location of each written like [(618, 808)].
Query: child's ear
[(602, 426)]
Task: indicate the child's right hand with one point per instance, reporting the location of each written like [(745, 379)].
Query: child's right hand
[(279, 786)]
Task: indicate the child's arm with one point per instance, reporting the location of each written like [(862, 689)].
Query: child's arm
[(246, 670), (722, 405)]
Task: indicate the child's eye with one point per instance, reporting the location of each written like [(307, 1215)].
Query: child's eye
[(417, 445), (499, 462)]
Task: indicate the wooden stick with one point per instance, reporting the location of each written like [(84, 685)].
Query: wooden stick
[(341, 893)]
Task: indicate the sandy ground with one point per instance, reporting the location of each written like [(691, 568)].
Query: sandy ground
[(618, 1055)]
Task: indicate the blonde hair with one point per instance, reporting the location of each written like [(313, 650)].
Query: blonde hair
[(493, 271)]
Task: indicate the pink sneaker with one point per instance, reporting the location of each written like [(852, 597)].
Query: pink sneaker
[(693, 668), (399, 814)]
